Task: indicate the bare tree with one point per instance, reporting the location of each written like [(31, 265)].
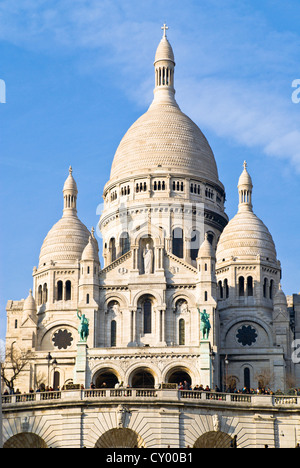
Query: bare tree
[(15, 362), (265, 378)]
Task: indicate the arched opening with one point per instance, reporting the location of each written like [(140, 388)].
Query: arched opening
[(210, 238), (124, 243), (271, 288), (120, 438), (226, 289), (56, 380), (113, 334), (195, 244), (213, 439), (106, 379), (247, 378), (241, 286), (45, 293), (249, 286), (265, 287), (177, 242), (59, 291), (25, 440), (142, 378), (112, 249), (68, 290), (220, 290), (147, 313), (181, 332), (40, 295), (178, 376)]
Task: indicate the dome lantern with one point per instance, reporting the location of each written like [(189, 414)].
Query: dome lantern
[(70, 195), (164, 64), (245, 187)]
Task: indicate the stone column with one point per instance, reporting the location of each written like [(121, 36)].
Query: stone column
[(205, 363), (81, 364)]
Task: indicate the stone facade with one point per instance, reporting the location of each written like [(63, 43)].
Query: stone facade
[(151, 419), (169, 255)]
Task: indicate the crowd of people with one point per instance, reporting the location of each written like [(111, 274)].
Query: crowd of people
[(181, 386)]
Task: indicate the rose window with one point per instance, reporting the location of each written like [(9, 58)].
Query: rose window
[(62, 339), (246, 335)]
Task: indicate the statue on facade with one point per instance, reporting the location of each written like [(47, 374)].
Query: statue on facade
[(122, 412), (83, 328), (148, 259), (204, 324)]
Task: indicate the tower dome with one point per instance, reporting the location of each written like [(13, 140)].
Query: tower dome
[(164, 136), (66, 240), (245, 236)]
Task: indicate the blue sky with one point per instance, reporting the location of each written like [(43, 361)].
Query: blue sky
[(78, 73)]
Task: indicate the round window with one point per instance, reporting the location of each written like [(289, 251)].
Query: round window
[(246, 335), (62, 339)]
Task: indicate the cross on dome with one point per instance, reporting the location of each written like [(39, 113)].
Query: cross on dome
[(165, 28), (245, 165)]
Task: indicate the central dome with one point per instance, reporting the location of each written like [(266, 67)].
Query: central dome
[(164, 136)]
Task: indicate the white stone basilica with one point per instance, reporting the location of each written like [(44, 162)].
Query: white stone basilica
[(169, 255)]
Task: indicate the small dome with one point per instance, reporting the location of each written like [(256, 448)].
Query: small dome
[(245, 178), (90, 252), (70, 183), (280, 297), (65, 241), (164, 51), (206, 249), (246, 236), (29, 303)]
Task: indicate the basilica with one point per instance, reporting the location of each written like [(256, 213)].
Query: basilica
[(182, 295)]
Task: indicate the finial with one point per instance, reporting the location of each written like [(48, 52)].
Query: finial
[(245, 165), (165, 28), (70, 170), (93, 231), (30, 292)]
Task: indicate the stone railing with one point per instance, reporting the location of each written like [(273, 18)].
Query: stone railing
[(137, 394)]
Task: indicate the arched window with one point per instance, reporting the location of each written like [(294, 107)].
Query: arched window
[(241, 286), (181, 332), (195, 244), (226, 289), (40, 295), (112, 249), (220, 289), (177, 242), (45, 293), (113, 333), (124, 243), (250, 286), (87, 298), (210, 237), (265, 287), (271, 288), (56, 380), (147, 316), (59, 291), (247, 377), (68, 290)]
